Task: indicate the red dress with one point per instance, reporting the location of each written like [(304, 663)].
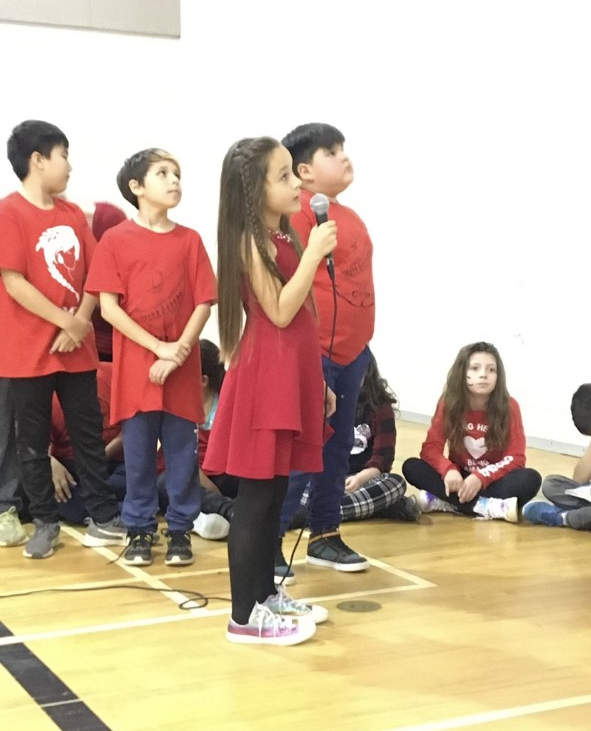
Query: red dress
[(270, 416)]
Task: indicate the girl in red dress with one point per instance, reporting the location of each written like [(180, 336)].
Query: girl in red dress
[(270, 416)]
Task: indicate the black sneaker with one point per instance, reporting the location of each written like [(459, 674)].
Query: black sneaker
[(406, 508), (283, 574), (179, 551), (139, 550), (328, 549)]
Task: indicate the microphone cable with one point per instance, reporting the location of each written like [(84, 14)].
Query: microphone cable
[(331, 274)]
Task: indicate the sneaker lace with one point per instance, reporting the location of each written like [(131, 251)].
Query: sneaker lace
[(177, 538), (266, 619), (496, 509)]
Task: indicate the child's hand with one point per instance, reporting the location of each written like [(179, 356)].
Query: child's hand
[(322, 240), (353, 482), (77, 329), (175, 352), (471, 487), (330, 404), (160, 370), (63, 343), (62, 481), (453, 481)]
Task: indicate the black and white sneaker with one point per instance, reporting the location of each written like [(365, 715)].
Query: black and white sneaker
[(179, 551), (328, 549), (139, 550)]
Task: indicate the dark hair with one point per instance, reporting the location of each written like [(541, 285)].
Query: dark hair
[(303, 141), (136, 167), (240, 223), (210, 364), (31, 136), (580, 409), (375, 390), (456, 400), (105, 216)]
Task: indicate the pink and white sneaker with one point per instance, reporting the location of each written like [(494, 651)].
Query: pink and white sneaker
[(264, 627)]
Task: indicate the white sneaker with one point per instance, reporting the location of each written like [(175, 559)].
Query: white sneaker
[(281, 603), (267, 628), (428, 503), (211, 526), (495, 508)]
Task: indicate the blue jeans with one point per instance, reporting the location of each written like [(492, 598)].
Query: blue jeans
[(327, 487), (179, 444)]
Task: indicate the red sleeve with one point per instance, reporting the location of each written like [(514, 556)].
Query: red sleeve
[(383, 429), (302, 223), (104, 275), (433, 447), (206, 290), (13, 251), (514, 453)]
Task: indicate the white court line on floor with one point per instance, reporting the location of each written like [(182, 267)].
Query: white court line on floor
[(198, 613), (499, 715), (109, 627), (139, 575), (175, 597)]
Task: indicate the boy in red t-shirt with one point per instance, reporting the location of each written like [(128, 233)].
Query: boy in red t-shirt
[(45, 251), (156, 288), (319, 160)]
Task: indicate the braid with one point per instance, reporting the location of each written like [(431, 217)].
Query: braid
[(254, 221)]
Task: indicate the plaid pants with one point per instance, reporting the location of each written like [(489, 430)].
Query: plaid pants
[(377, 494)]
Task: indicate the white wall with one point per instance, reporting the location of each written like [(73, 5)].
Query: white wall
[(468, 123)]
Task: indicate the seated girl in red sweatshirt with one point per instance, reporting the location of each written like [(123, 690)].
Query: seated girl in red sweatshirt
[(483, 470)]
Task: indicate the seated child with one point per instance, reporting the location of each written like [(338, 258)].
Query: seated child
[(371, 490), (483, 472), (566, 510), (68, 493)]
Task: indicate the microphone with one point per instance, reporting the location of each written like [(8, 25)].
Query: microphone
[(319, 204)]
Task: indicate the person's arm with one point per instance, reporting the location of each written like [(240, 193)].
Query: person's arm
[(161, 369), (433, 447), (62, 480), (582, 471), (196, 323), (22, 291), (114, 448), (514, 453), (282, 303), (383, 430), (63, 343), (207, 483), (113, 313)]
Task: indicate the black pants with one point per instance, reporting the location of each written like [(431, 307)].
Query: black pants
[(253, 542), (77, 394), (522, 483)]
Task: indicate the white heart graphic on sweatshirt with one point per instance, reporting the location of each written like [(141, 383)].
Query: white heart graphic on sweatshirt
[(476, 447)]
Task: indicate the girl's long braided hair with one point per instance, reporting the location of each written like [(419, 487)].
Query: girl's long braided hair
[(241, 223)]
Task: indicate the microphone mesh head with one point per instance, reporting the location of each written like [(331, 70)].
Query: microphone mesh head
[(319, 203)]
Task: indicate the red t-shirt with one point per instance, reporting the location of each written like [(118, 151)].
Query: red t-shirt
[(61, 447), (489, 466), (52, 249), (354, 281), (161, 278)]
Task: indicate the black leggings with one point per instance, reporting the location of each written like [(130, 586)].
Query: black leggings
[(253, 542), (522, 483)]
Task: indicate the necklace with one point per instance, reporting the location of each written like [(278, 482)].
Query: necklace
[(281, 235)]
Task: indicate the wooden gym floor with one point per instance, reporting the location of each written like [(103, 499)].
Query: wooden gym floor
[(478, 625)]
